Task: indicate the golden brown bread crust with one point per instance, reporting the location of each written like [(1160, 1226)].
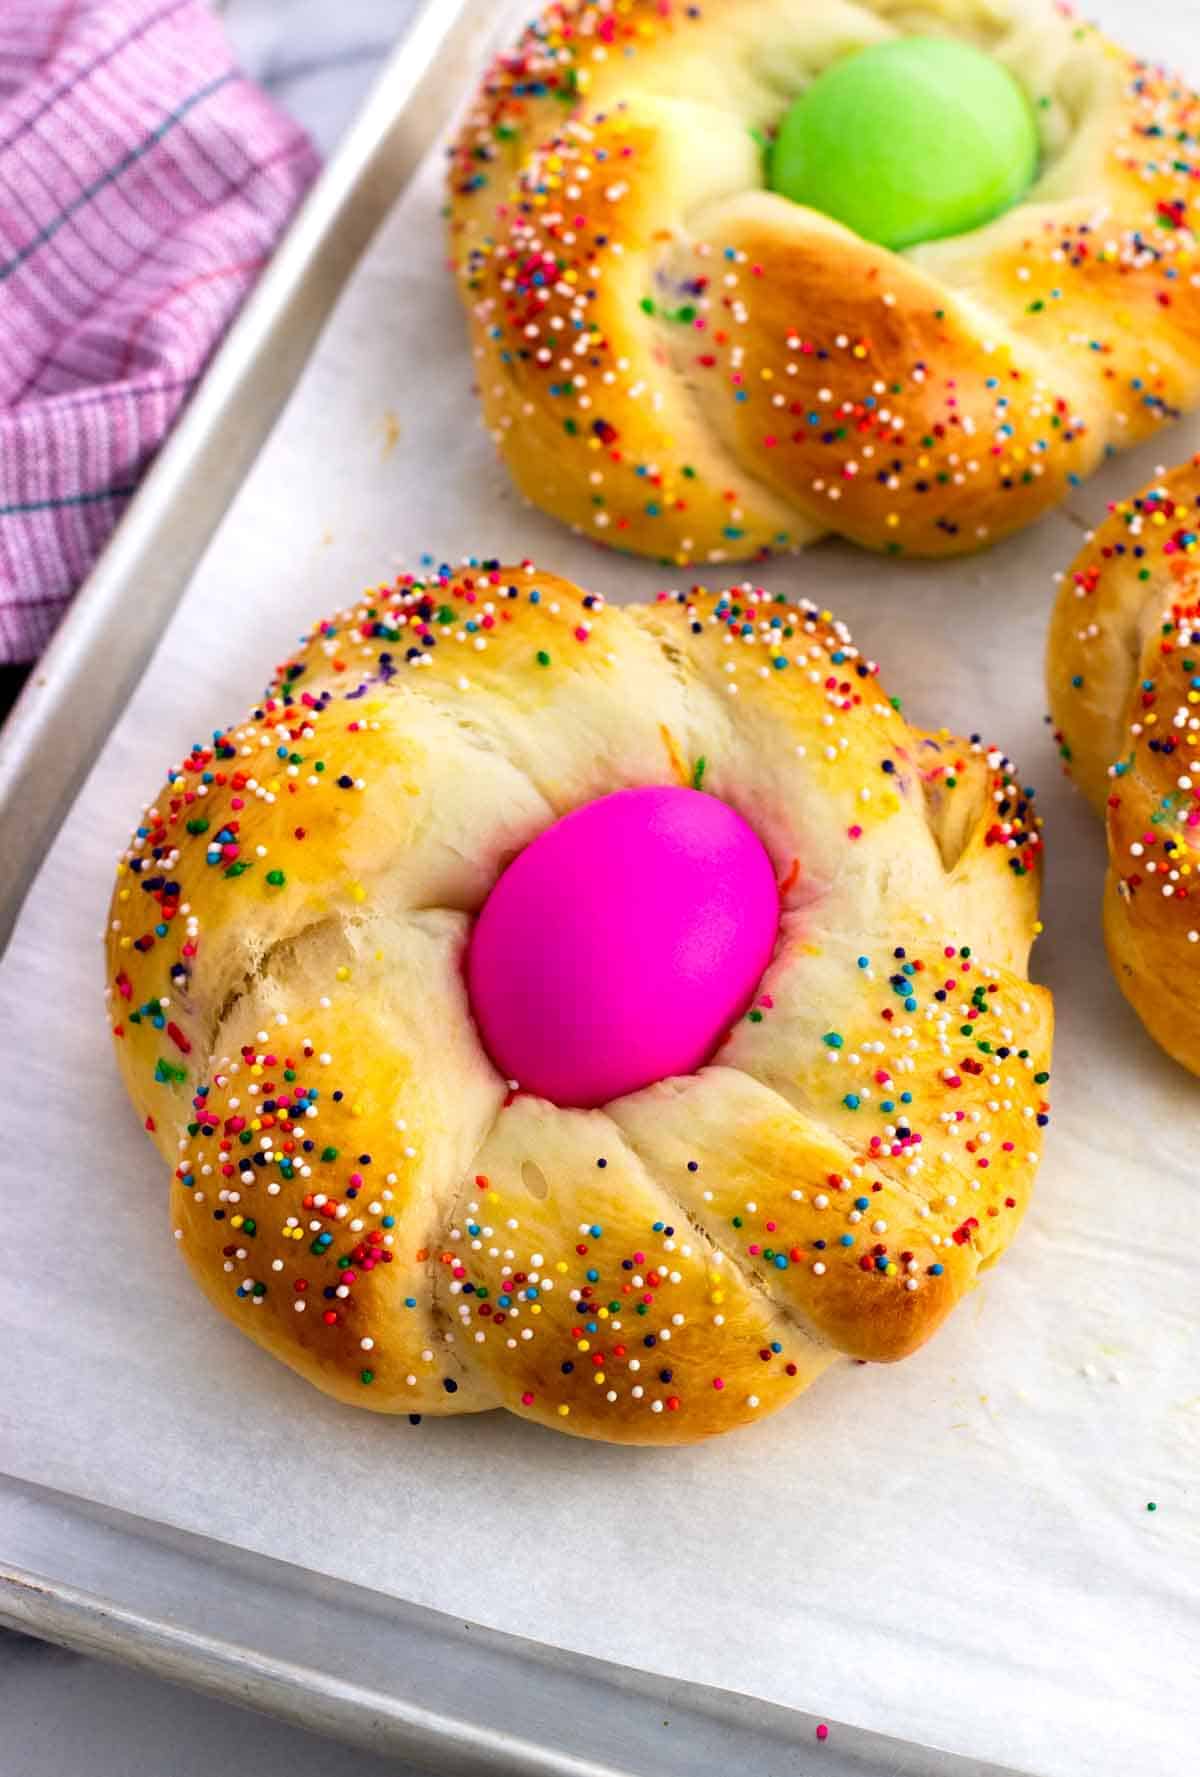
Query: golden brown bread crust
[(679, 362), (357, 1188), (1123, 671)]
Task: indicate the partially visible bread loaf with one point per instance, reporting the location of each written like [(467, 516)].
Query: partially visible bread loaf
[(1123, 672), (360, 1191), (679, 362)]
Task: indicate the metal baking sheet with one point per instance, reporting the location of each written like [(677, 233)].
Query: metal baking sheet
[(149, 1589), (83, 680), (446, 1695)]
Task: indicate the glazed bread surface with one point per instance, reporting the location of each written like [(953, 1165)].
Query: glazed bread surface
[(359, 1190), (677, 361), (1123, 674)]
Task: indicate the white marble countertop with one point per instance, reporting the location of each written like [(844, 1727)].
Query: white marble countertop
[(59, 1712), (318, 57)]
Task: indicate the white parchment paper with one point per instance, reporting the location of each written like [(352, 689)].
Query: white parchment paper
[(958, 1550)]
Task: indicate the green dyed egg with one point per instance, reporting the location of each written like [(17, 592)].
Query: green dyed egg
[(908, 141)]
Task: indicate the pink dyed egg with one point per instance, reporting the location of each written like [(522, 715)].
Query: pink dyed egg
[(620, 946)]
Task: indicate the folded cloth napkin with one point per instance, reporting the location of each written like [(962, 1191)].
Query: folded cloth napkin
[(143, 183)]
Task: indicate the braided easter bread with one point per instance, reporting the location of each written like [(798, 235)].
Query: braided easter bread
[(680, 362), (1123, 670), (362, 1191)]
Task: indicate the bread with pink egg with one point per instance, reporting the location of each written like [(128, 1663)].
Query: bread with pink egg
[(619, 1015)]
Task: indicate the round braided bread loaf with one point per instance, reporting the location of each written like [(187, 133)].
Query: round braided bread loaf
[(1123, 671), (680, 362), (358, 1187)]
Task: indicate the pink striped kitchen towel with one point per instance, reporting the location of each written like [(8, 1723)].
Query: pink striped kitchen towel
[(143, 183)]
